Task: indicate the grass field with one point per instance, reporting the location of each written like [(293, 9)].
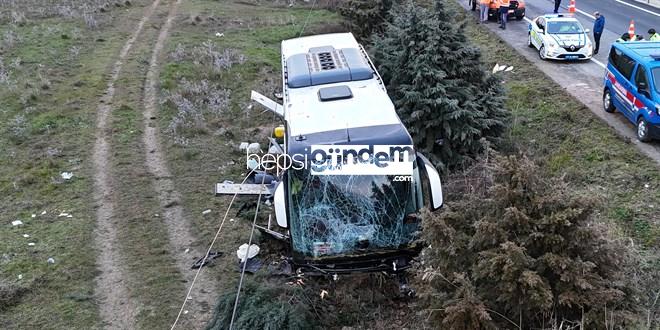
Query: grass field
[(53, 71)]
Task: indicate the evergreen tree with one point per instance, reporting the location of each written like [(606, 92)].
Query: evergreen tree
[(531, 255), (365, 17), (437, 82)]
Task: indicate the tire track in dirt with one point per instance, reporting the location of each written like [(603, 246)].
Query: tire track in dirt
[(116, 309), (178, 227)]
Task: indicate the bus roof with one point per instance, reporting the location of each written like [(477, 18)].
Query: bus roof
[(311, 66)]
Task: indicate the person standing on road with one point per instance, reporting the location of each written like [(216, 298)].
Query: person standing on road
[(483, 10), (557, 4), (599, 27), (504, 13), (653, 36)]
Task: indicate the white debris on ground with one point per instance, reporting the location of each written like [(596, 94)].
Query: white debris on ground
[(43, 213), (205, 212), (26, 235), (243, 251), (31, 244), (243, 146), (20, 276), (34, 215), (67, 175), (16, 223), (499, 68), (219, 35), (65, 214), (51, 260), (254, 148)]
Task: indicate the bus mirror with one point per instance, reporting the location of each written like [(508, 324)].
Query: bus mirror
[(280, 205), (433, 178)]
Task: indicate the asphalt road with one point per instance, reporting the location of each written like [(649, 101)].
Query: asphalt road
[(584, 80)]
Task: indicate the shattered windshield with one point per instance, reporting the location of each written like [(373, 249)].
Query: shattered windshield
[(564, 28), (351, 214)]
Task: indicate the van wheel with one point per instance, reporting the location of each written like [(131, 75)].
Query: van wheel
[(643, 130), (542, 52), (607, 101)]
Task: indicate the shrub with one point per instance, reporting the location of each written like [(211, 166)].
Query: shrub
[(366, 17), (527, 251), (10, 294), (435, 77), (263, 305)]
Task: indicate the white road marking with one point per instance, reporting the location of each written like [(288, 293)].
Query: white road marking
[(592, 59), (585, 13), (638, 7), (599, 63)]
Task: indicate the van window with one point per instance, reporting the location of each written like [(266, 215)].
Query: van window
[(640, 78), (622, 62), (656, 79)]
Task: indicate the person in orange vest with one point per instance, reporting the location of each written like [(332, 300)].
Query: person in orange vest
[(483, 13), (504, 13)]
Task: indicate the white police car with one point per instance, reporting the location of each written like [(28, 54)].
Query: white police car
[(560, 37)]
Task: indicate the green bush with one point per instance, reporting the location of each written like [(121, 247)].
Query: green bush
[(525, 253), (436, 80), (264, 305)]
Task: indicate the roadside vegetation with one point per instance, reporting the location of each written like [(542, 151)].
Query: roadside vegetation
[(548, 178)]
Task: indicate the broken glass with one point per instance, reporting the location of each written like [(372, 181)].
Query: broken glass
[(333, 215)]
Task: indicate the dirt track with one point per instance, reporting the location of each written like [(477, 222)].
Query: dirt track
[(180, 237), (117, 310)]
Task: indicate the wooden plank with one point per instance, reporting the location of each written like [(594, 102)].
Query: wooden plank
[(241, 189)]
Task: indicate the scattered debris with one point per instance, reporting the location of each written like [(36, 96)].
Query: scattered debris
[(31, 244), (231, 220), (254, 148), (253, 265), (205, 212), (499, 68), (63, 214), (67, 175), (252, 164), (243, 251), (16, 223), (323, 294), (34, 215), (26, 235), (186, 251), (243, 146), (43, 213), (201, 262), (219, 35), (185, 312), (20, 276), (51, 260), (646, 185)]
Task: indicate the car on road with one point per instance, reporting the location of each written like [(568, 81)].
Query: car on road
[(559, 37), (632, 85), (516, 8)]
